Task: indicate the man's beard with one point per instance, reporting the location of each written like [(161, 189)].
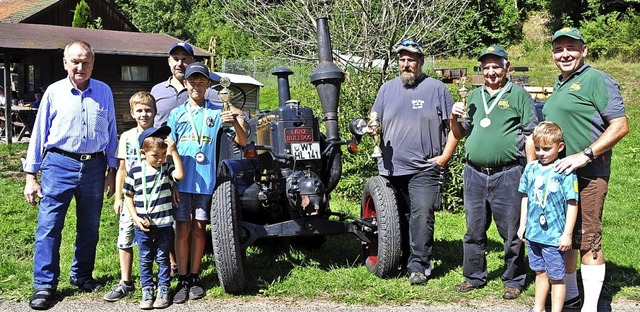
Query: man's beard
[(409, 78)]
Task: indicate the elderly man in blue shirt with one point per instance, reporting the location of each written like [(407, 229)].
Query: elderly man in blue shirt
[(73, 143)]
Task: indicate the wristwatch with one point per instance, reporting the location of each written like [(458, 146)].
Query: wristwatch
[(589, 153)]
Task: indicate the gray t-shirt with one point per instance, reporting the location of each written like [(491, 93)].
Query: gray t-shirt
[(167, 98), (414, 124)]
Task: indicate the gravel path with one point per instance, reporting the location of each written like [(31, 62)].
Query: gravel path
[(259, 304)]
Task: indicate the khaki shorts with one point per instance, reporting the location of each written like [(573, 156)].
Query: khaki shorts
[(587, 234)]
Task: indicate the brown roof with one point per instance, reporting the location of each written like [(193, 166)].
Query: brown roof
[(48, 37), (14, 11)]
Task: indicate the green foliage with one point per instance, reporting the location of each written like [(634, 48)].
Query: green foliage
[(486, 22), (613, 35), (82, 16), (163, 16), (356, 100)]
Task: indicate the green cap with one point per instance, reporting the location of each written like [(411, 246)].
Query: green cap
[(493, 49), (570, 32)]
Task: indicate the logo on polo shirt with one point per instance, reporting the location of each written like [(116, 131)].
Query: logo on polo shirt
[(417, 104), (575, 86), (503, 104)]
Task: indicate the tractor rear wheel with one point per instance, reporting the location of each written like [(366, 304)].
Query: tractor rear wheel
[(225, 234), (383, 254)]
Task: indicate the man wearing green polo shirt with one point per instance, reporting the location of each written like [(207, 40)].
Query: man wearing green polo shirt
[(501, 117), (587, 104)]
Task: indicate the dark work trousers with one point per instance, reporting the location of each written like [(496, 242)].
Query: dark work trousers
[(486, 195), (417, 195)]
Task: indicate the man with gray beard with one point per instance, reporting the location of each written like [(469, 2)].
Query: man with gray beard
[(413, 111)]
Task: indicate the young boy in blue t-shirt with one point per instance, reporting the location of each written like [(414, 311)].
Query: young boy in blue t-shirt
[(548, 215), (148, 199)]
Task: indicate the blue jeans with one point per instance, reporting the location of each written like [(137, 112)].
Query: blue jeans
[(154, 244), (484, 196), (64, 178), (417, 196)]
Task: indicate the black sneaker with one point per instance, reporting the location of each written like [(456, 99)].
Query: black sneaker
[(417, 278), (119, 291), (90, 284), (195, 289), (181, 294)]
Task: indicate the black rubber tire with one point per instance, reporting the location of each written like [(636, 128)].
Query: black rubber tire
[(225, 235), (383, 255)]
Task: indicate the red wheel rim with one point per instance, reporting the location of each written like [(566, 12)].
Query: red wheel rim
[(370, 250)]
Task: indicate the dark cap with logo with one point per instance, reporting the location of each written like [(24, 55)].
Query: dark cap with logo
[(161, 132), (494, 49), (183, 45), (570, 32), (197, 68)]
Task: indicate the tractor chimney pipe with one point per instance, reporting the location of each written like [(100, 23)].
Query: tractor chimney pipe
[(283, 84), (327, 77)]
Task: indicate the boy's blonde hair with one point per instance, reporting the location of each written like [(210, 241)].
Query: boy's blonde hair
[(547, 132), (144, 98), (153, 142)]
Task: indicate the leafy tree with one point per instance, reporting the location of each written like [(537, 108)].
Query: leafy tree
[(82, 16), (162, 16), (195, 21), (366, 29)]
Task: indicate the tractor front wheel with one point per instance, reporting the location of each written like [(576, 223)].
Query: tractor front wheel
[(383, 254), (225, 234)]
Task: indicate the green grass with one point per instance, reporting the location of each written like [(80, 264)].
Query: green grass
[(336, 270)]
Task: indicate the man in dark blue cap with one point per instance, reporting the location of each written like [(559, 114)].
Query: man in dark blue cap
[(501, 119)]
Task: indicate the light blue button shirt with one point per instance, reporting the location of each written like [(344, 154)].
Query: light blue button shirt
[(75, 121)]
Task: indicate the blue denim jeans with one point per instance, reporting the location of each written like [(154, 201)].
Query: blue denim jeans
[(484, 196), (64, 178), (154, 244), (417, 196)]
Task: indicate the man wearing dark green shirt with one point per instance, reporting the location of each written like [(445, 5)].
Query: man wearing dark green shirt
[(501, 117), (587, 104)]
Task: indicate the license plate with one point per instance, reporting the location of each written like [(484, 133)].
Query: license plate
[(304, 151)]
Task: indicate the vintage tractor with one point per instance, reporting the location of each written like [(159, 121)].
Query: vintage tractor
[(281, 185)]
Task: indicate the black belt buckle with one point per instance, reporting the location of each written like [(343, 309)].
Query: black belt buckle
[(85, 157)]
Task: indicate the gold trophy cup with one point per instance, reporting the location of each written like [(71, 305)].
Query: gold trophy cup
[(225, 95), (374, 125), (462, 91)]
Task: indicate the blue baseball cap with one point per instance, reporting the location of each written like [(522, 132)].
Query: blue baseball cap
[(161, 132), (187, 47), (197, 68)]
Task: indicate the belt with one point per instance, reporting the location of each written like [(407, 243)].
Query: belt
[(78, 157), (494, 170)]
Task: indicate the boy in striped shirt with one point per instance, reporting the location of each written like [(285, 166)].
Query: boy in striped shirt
[(148, 198)]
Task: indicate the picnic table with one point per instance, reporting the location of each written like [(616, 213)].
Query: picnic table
[(22, 118)]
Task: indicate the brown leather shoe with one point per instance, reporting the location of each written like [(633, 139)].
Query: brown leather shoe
[(511, 293), (466, 287)]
